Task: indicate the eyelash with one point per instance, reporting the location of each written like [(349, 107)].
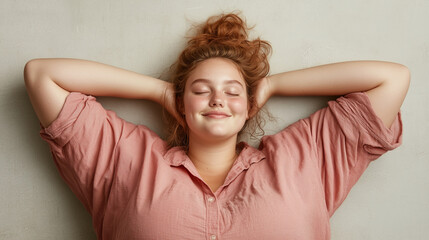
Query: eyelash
[(230, 94), (199, 93)]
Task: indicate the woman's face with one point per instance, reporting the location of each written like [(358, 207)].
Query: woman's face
[(215, 100)]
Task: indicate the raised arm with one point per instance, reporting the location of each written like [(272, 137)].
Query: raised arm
[(49, 81), (385, 83)]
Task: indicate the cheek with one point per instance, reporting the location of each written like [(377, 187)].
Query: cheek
[(238, 105), (194, 103)]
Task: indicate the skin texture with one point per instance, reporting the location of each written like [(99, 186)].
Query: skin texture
[(213, 138), (215, 101), (216, 108)]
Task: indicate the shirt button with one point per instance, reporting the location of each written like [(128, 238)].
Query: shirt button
[(213, 237), (211, 199)]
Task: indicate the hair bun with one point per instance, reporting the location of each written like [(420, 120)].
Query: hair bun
[(222, 29)]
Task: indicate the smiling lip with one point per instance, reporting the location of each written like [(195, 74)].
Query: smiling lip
[(216, 114)]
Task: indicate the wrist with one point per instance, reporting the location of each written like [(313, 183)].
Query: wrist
[(160, 93), (271, 86)]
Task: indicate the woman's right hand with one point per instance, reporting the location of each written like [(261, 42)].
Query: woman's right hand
[(168, 101)]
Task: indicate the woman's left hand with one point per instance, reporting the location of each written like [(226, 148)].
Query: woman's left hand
[(262, 94)]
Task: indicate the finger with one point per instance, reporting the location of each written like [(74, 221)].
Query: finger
[(253, 111)]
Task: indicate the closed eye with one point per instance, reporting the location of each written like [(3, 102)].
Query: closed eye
[(200, 93)]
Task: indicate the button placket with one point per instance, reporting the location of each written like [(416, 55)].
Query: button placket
[(212, 217)]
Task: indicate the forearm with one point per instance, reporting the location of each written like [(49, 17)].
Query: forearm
[(385, 83), (334, 79), (95, 78)]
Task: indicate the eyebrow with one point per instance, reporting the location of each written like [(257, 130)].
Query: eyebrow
[(208, 81)]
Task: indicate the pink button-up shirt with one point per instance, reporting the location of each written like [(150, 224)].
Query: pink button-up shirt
[(136, 188)]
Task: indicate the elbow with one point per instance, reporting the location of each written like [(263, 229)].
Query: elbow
[(399, 76), (402, 72), (32, 72), (404, 76)]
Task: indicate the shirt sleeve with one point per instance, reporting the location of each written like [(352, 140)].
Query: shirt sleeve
[(347, 136), (325, 154), (83, 141)]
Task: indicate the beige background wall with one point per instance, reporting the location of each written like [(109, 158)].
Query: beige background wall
[(391, 201)]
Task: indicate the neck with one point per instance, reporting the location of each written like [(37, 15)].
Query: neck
[(213, 158)]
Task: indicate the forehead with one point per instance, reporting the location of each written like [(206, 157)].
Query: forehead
[(216, 70)]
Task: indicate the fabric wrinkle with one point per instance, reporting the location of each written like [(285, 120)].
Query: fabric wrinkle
[(287, 188)]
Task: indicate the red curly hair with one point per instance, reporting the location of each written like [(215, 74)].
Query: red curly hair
[(223, 36)]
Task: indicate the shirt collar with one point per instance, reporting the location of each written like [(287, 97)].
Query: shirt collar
[(177, 156)]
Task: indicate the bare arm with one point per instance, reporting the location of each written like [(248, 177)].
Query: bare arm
[(49, 81), (385, 83)]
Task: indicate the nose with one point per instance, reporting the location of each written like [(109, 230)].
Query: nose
[(216, 101)]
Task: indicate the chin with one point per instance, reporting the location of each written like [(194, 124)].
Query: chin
[(220, 135)]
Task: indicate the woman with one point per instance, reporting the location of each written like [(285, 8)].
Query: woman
[(201, 184)]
